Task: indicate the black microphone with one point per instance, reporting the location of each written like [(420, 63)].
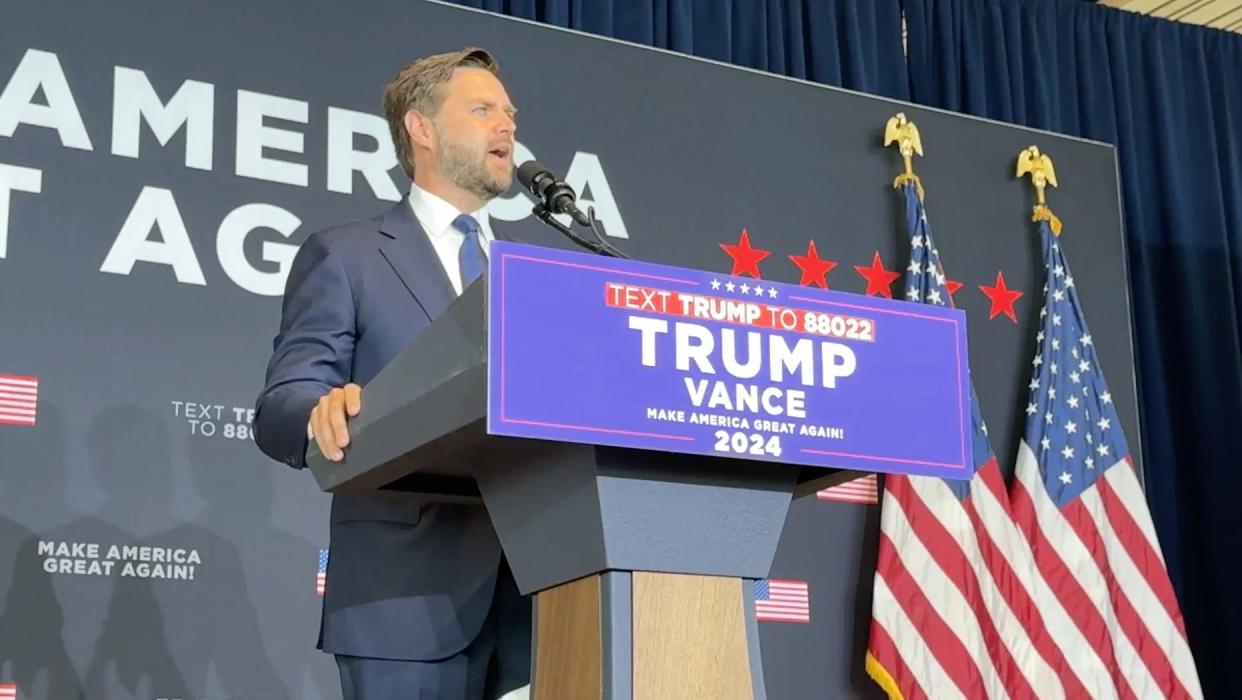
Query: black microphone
[(557, 196)]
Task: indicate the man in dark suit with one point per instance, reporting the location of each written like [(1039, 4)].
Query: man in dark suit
[(418, 600)]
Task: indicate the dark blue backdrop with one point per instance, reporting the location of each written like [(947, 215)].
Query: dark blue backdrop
[(1166, 94)]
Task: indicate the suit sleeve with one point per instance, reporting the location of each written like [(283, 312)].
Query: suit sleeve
[(312, 353)]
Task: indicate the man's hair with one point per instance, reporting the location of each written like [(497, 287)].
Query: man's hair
[(420, 86)]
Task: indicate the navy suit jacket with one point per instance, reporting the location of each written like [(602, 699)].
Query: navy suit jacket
[(407, 578)]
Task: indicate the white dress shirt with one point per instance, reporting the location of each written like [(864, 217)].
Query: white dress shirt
[(436, 216)]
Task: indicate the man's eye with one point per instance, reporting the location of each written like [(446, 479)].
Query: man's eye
[(480, 111)]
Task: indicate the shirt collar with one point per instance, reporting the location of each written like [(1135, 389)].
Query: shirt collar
[(437, 215)]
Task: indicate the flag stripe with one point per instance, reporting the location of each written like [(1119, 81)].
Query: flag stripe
[(1145, 620), (945, 531), (947, 647), (914, 650), (1064, 566), (1047, 626), (1144, 552), (995, 593)]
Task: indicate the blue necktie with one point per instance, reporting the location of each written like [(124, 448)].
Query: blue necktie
[(471, 259)]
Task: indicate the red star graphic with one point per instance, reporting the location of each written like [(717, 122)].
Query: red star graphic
[(1002, 298), (879, 280), (814, 269), (952, 286), (745, 259)]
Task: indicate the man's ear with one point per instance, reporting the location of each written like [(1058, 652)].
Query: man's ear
[(419, 127)]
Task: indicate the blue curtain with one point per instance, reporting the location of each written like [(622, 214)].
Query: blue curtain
[(1169, 96), (854, 44)]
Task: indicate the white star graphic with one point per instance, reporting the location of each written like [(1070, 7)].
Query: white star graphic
[(939, 277), (1046, 443), (935, 297), (1039, 337), (1084, 366), (1053, 368), (1106, 397), (1071, 427), (1066, 478), (912, 294), (1056, 343), (1074, 352), (1030, 409), (745, 288), (1105, 424), (1069, 281), (1085, 340), (715, 284), (1039, 360), (1048, 417), (1043, 312), (1090, 439), (1075, 377), (772, 292), (1090, 462), (1072, 401), (1068, 452), (1058, 271), (1034, 384), (1052, 392), (1102, 449), (983, 427), (914, 267), (1056, 319), (1058, 295), (730, 286), (917, 241)]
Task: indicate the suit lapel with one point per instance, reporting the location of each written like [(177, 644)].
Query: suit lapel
[(408, 250)]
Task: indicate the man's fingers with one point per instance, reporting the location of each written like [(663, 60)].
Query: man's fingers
[(353, 399), (336, 417), (323, 431)]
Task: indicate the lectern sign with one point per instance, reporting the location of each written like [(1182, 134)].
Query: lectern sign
[(585, 348)]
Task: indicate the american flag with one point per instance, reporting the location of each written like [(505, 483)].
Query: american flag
[(779, 600), (1079, 505), (951, 616), (321, 576), (19, 397), (8, 691), (864, 489)]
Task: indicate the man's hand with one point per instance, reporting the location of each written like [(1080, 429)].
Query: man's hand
[(328, 419)]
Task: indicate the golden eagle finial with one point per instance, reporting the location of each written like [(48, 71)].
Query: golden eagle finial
[(906, 135), (1039, 167)]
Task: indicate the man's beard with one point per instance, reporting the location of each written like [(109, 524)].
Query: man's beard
[(468, 170)]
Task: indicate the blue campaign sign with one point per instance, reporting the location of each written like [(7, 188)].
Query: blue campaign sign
[(597, 350)]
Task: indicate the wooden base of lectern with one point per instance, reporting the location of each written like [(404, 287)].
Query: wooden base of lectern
[(644, 636)]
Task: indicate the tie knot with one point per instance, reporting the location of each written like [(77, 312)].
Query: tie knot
[(467, 225)]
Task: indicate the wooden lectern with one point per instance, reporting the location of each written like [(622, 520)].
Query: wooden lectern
[(642, 561)]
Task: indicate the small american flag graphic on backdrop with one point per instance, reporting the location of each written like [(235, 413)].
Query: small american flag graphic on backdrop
[(8, 691), (779, 600), (321, 576), (18, 398), (862, 490)]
